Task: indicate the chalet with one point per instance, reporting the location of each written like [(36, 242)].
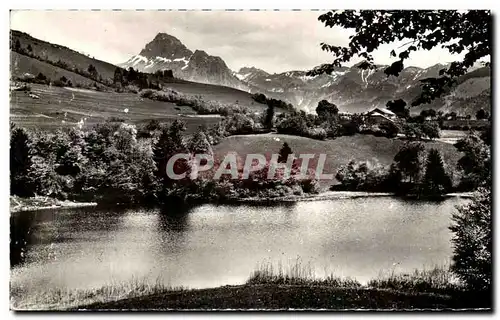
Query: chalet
[(379, 116)]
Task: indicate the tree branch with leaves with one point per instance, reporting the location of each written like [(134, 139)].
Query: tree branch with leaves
[(455, 31)]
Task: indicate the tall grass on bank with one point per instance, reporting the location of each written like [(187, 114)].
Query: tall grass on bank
[(60, 299), (436, 280), (296, 273)]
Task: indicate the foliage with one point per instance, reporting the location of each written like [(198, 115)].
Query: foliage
[(409, 161), (428, 113), (199, 144), (481, 114), (259, 97), (326, 110), (299, 123), (399, 108), (412, 131), (475, 163), (464, 31), (269, 117), (473, 241), (436, 181), (20, 160), (389, 129), (416, 131), (430, 130), (363, 176), (285, 151), (170, 142), (197, 103), (272, 103)]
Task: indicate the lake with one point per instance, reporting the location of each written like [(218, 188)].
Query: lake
[(213, 245)]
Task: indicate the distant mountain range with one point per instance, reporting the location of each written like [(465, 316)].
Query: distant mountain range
[(351, 88)]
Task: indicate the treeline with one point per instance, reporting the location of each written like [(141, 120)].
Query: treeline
[(271, 102), (196, 102), (418, 172), (111, 163)]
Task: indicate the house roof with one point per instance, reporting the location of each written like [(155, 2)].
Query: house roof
[(381, 115), (384, 111)]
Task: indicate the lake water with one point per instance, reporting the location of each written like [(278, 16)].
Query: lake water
[(210, 245)]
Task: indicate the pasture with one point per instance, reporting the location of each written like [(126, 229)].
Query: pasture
[(58, 107)]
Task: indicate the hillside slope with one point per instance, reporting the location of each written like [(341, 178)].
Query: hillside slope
[(23, 66), (65, 107), (54, 52)]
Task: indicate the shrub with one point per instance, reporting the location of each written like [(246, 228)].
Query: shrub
[(389, 129), (363, 176), (473, 242)]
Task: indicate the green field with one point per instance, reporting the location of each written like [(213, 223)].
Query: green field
[(339, 151), (58, 107)]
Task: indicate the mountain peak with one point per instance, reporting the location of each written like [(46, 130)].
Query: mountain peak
[(166, 46)]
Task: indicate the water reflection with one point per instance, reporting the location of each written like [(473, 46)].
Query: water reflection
[(210, 245)]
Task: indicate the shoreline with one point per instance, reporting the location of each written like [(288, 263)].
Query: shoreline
[(18, 204), (338, 195)]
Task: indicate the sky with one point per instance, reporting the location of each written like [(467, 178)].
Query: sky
[(275, 41)]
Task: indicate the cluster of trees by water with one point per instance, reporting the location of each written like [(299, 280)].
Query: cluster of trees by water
[(418, 172), (111, 162)]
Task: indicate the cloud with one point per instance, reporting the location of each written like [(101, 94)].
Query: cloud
[(275, 41)]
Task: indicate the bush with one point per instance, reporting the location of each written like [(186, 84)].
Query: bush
[(389, 129), (473, 242), (363, 176)]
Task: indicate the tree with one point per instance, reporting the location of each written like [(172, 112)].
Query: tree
[(259, 97), (29, 48), (428, 113), (169, 143), (92, 70), (473, 241), (409, 161), (475, 162), (412, 131), (390, 129), (269, 117), (465, 31), (285, 151), (17, 46), (199, 144), (20, 161), (131, 74), (326, 110), (481, 114), (399, 108), (430, 129), (436, 181), (41, 77), (118, 76), (63, 79)]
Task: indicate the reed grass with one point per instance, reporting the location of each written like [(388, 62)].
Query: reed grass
[(61, 298)]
